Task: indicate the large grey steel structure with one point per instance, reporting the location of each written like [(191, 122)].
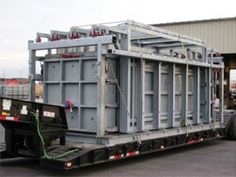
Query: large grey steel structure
[(128, 82)]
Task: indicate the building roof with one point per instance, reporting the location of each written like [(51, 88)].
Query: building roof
[(195, 21), (14, 81)]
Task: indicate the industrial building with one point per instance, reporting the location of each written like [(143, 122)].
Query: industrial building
[(219, 34), (18, 88), (14, 88)]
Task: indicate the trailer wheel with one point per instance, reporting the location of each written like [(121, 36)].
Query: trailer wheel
[(230, 129)]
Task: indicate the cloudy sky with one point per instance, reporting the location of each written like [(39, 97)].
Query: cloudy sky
[(21, 19)]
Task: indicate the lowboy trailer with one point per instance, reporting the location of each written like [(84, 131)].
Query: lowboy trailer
[(114, 92)]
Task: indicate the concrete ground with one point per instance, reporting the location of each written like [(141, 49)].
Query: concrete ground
[(216, 158)]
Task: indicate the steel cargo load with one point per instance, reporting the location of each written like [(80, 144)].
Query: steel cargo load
[(128, 79)]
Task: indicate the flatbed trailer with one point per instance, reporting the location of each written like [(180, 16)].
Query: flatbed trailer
[(115, 92), (21, 131), (22, 139)]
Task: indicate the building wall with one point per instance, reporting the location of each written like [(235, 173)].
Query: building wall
[(17, 88), (218, 33)]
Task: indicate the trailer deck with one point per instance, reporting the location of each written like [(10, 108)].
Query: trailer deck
[(74, 154), (90, 154), (100, 154)]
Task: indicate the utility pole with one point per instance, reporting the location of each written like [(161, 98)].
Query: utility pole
[(3, 74)]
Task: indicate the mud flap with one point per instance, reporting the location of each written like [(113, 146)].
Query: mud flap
[(230, 128)]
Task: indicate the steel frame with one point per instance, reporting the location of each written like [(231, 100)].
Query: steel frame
[(118, 44)]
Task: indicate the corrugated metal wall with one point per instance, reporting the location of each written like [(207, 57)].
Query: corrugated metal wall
[(218, 34)]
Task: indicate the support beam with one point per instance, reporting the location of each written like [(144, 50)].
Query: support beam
[(149, 41), (142, 85), (114, 52), (197, 90), (100, 93), (185, 94), (221, 96), (80, 97), (168, 46), (159, 96), (45, 96), (156, 91), (210, 97), (62, 95), (124, 92), (152, 31), (32, 72), (67, 43), (172, 95)]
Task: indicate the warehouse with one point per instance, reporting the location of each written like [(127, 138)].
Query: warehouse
[(18, 88), (219, 34), (14, 88)]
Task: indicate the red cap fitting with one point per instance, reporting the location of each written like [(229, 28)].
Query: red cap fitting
[(77, 35), (74, 35), (55, 37), (94, 33), (38, 39)]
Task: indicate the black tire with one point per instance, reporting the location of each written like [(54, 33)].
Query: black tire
[(230, 128)]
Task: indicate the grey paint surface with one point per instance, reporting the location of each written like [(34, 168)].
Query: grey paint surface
[(218, 34), (145, 82)]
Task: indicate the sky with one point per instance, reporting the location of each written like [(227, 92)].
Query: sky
[(20, 20)]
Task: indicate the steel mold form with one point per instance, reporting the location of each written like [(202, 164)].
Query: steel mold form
[(129, 79)]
